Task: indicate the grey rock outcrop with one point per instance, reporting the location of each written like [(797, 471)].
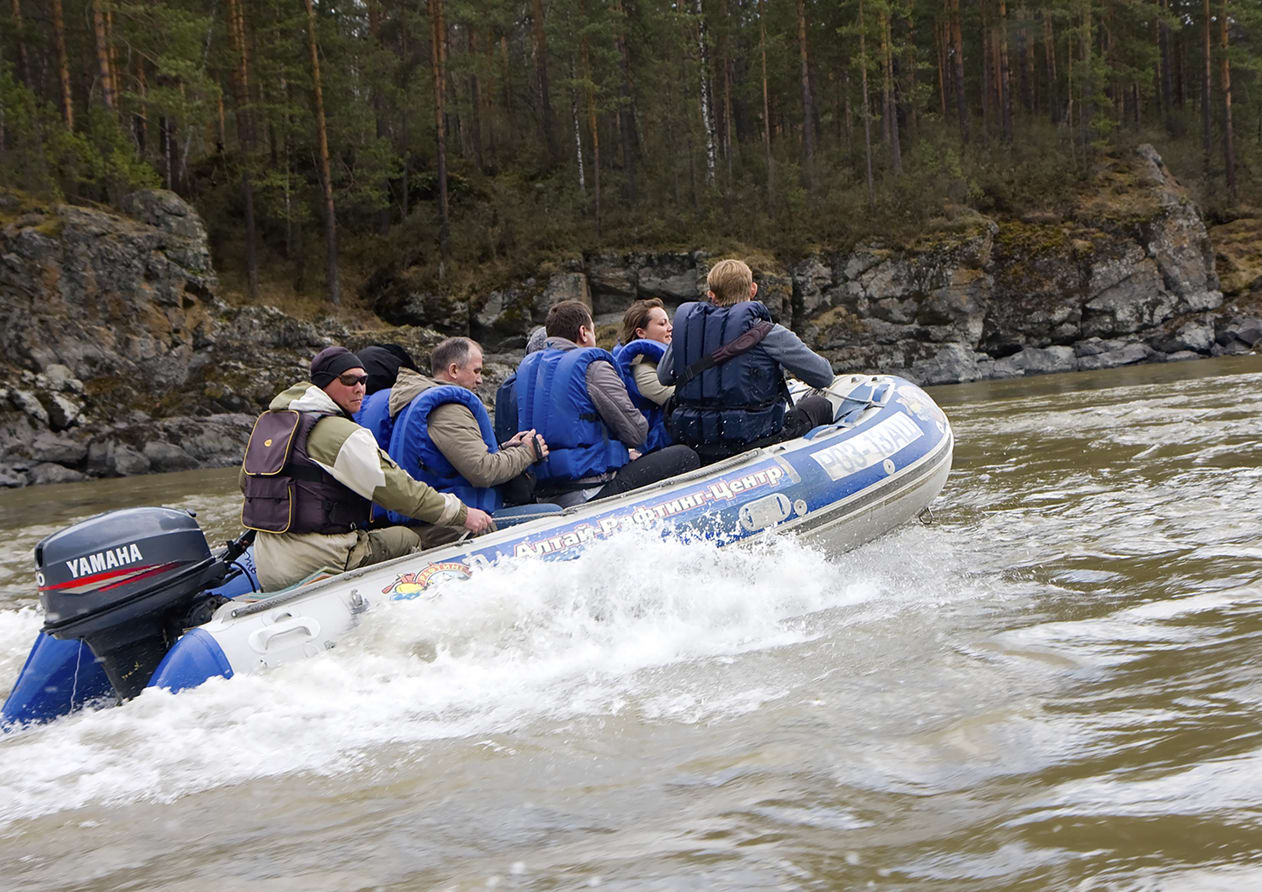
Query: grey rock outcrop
[(116, 357)]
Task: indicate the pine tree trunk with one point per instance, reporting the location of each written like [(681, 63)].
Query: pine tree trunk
[(626, 112), (1229, 144), (593, 123), (438, 58), (103, 55), (140, 120), (24, 60), (939, 45), (326, 174), (988, 81), (889, 111), (475, 100), (1167, 78), (766, 106), (1005, 75), (541, 71), (707, 115), (904, 97), (1206, 143), (245, 141), (1049, 54), (957, 52), (867, 113), (808, 106), (405, 147), (63, 63), (1086, 107), (725, 66), (578, 132), (1180, 70)]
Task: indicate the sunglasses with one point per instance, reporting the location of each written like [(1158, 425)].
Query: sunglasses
[(352, 380)]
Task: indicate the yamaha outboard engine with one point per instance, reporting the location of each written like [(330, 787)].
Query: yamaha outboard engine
[(127, 583)]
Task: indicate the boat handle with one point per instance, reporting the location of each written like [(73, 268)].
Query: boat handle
[(261, 638)]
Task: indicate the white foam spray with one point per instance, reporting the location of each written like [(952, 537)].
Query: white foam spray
[(528, 641)]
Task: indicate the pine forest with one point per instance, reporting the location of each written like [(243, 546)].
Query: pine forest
[(324, 139)]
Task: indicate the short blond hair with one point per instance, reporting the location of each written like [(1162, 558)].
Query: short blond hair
[(729, 282)]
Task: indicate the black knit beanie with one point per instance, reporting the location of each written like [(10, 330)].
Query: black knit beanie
[(331, 362), (382, 363)]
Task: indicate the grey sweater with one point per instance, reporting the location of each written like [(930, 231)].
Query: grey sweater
[(784, 347)]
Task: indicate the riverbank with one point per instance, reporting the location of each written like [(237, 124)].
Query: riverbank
[(118, 355)]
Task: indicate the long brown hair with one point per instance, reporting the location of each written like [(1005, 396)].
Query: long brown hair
[(637, 316)]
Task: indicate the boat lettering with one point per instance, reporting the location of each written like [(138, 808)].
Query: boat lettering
[(729, 489), (647, 515), (869, 448), (104, 560)]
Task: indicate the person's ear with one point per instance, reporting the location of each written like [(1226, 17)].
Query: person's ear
[(710, 296), (753, 289)]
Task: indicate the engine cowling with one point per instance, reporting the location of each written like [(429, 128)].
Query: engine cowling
[(123, 582)]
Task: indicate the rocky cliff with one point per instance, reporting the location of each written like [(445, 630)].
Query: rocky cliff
[(1125, 275), (118, 358)]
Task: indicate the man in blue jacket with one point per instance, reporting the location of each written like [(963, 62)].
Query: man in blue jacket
[(572, 393), (727, 361)]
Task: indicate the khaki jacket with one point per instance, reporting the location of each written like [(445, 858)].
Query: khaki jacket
[(351, 456), (455, 432)]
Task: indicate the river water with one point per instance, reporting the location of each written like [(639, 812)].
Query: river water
[(1056, 685)]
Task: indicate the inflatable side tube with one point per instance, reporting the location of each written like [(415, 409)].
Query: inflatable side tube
[(59, 677), (194, 659)]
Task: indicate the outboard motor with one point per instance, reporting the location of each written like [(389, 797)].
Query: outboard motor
[(127, 583)]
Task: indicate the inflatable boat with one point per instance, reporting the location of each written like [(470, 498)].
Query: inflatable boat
[(136, 598)]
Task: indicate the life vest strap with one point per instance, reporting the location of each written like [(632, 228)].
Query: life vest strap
[(742, 343)]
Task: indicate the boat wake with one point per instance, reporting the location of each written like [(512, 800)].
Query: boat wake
[(635, 626)]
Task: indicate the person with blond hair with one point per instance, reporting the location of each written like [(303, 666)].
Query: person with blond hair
[(727, 360), (646, 333)]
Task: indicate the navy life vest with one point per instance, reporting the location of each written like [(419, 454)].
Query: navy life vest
[(552, 398), (374, 414), (415, 452), (506, 409), (736, 402), (287, 492), (653, 413)]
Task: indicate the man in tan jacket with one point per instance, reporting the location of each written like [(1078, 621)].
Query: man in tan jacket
[(310, 475), (486, 473)]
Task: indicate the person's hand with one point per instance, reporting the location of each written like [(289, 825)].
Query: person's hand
[(478, 521), (541, 447), (521, 438), (634, 453)]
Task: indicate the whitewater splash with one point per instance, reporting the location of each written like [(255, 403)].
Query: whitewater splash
[(515, 644)]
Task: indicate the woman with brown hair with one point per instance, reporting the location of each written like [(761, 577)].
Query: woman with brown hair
[(646, 333)]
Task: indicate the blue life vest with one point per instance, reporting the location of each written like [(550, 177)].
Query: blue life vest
[(506, 409), (374, 414), (732, 404), (416, 453), (552, 398), (653, 413)]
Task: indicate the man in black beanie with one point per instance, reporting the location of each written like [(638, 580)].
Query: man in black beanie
[(311, 474)]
